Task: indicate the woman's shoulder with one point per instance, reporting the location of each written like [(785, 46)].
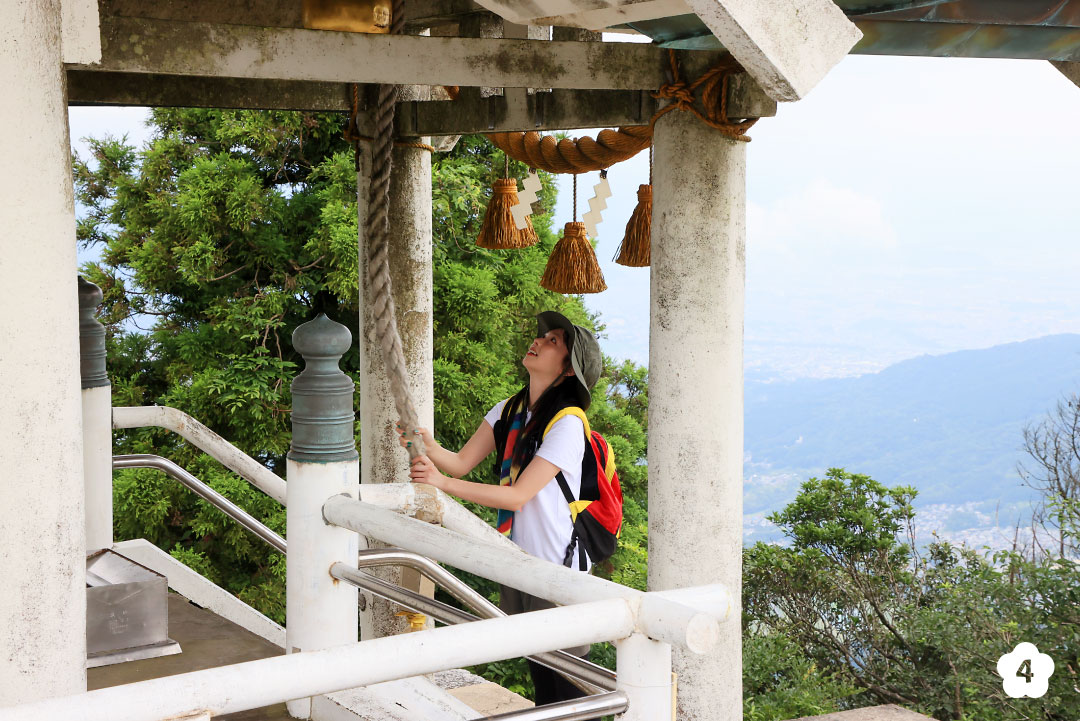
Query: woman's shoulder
[(566, 423), (493, 415)]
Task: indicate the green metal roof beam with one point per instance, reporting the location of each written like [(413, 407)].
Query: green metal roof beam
[(1035, 30)]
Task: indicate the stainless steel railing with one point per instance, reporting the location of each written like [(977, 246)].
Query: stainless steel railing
[(589, 677), (579, 709), (230, 509)]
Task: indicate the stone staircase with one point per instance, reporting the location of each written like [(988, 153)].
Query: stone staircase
[(208, 640)]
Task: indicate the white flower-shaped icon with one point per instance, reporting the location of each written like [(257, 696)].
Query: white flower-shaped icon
[(1025, 671)]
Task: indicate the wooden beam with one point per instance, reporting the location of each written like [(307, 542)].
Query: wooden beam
[(271, 13), (557, 110), (470, 113), (786, 45), (178, 91), (166, 47), (436, 12)]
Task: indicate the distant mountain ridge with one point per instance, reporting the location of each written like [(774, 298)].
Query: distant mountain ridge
[(949, 425)]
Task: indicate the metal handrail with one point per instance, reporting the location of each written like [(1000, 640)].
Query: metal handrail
[(233, 511), (593, 678), (578, 709), (600, 678), (589, 677)]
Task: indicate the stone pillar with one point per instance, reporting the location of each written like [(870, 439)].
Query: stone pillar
[(382, 458), (97, 421), (320, 612), (696, 390), (43, 559)]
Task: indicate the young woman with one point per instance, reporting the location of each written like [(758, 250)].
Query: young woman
[(563, 363)]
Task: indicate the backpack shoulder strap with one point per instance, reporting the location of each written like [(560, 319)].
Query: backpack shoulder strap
[(565, 488), (569, 411)]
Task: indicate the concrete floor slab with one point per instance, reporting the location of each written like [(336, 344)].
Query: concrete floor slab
[(207, 641)]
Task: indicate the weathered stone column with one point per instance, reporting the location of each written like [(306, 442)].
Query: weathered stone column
[(43, 559), (320, 612), (382, 458), (696, 390), (97, 421)]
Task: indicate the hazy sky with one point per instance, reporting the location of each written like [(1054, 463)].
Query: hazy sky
[(907, 206)]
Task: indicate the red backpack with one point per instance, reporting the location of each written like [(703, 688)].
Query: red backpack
[(597, 514)]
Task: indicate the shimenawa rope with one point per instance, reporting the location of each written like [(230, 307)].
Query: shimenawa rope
[(583, 155)]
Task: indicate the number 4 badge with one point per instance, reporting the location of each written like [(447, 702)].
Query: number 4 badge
[(1025, 671)]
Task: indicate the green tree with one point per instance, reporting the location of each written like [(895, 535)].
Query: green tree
[(856, 596), (781, 682), (214, 241)]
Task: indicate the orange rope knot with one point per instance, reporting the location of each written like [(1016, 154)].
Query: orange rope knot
[(714, 95)]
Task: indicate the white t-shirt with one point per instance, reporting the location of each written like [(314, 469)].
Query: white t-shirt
[(543, 527)]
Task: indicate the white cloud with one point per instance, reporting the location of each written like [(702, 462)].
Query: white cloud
[(819, 215)]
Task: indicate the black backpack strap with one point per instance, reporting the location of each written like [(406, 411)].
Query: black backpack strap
[(568, 557), (565, 487)]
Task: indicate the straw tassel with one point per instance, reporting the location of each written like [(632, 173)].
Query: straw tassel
[(635, 250), (499, 231), (572, 267)]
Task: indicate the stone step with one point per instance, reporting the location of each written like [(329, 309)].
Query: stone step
[(207, 641)]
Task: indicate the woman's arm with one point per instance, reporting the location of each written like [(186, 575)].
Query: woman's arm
[(536, 475), (475, 450)]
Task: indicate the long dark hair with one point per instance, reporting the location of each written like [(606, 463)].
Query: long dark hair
[(551, 401)]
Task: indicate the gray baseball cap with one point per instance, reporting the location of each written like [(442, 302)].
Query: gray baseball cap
[(584, 352)]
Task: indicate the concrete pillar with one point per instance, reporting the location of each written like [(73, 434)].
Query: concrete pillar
[(382, 458), (643, 673), (42, 542), (320, 612), (97, 421), (696, 390)]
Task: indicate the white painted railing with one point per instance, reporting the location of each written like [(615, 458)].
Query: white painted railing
[(269, 681), (643, 625), (205, 440), (688, 617), (399, 497)]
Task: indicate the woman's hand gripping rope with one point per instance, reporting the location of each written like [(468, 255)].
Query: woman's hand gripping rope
[(404, 437), (421, 468)]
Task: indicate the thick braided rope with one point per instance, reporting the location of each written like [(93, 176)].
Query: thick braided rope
[(574, 156), (583, 155), (378, 266)]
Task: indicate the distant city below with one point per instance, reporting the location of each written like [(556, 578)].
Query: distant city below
[(950, 425)]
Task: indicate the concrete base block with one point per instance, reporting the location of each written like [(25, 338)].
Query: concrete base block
[(887, 712)]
